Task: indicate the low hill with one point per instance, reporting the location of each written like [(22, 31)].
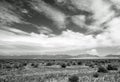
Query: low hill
[(113, 56)]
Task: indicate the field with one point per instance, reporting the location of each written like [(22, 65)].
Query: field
[(59, 70)]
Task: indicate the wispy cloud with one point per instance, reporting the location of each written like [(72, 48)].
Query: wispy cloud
[(8, 16), (79, 20), (52, 13), (44, 30), (81, 4)]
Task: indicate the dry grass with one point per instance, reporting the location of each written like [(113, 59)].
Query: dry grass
[(54, 73)]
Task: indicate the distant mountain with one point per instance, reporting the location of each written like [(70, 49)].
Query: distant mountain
[(86, 55), (17, 57), (59, 56), (113, 55), (53, 57), (36, 57), (46, 56)]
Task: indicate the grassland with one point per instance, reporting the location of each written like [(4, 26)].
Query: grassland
[(35, 70)]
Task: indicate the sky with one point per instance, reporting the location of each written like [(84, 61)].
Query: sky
[(72, 27)]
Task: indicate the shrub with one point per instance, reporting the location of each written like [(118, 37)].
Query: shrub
[(110, 67), (68, 64), (49, 64), (8, 66), (34, 65), (91, 65), (63, 65), (16, 66), (24, 64), (73, 78), (96, 75), (73, 63), (79, 63), (102, 70)]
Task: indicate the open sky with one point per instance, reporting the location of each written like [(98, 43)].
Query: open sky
[(59, 27)]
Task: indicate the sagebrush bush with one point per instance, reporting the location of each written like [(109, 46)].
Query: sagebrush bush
[(96, 75), (91, 65), (35, 65), (49, 64), (68, 64), (73, 78), (112, 67), (63, 65), (102, 69), (79, 63)]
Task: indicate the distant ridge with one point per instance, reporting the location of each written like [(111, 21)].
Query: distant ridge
[(45, 56), (82, 56), (113, 55), (86, 55), (36, 57)]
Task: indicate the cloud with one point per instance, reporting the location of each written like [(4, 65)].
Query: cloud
[(8, 16), (116, 2), (52, 13), (82, 4), (101, 14), (79, 20), (9, 29), (110, 36), (92, 52), (67, 41), (114, 29), (44, 30), (16, 40), (100, 9), (61, 1)]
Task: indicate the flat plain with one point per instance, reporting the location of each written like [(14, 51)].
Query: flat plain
[(59, 70)]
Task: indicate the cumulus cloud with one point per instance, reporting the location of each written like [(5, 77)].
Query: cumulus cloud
[(92, 52), (101, 9), (110, 36), (67, 41), (114, 29), (102, 13), (116, 2)]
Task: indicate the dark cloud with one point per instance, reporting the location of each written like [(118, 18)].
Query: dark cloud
[(25, 27), (76, 28), (24, 10), (13, 30), (49, 1), (55, 15)]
